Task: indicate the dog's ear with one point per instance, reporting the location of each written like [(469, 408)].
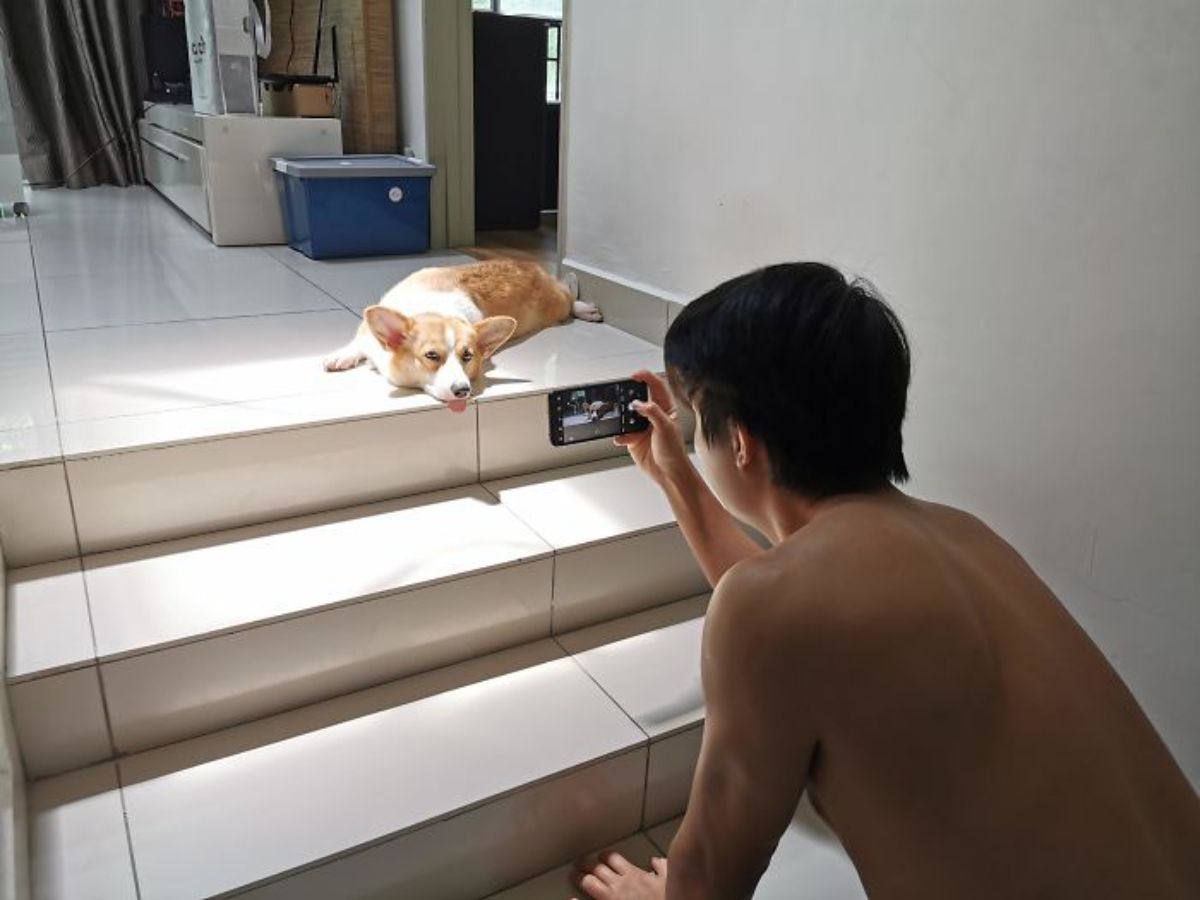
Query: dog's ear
[(390, 327), (493, 332)]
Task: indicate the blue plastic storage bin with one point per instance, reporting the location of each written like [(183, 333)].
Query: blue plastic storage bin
[(336, 206)]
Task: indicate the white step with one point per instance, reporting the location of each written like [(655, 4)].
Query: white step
[(649, 663), (616, 541), (165, 642), (559, 883), (454, 783), (808, 862), (201, 426)]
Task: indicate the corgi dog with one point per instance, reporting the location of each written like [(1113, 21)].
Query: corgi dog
[(598, 409), (435, 329)]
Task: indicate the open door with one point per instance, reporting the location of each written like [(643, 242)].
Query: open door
[(517, 100)]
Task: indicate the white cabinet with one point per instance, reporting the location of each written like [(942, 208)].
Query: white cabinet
[(217, 169), (175, 165)]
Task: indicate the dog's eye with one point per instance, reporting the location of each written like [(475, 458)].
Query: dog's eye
[(468, 356), (432, 355)]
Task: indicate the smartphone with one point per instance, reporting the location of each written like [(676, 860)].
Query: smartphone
[(595, 411)]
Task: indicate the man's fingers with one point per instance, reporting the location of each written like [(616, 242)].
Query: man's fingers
[(604, 873), (593, 886), (616, 862), (659, 392), (652, 411)]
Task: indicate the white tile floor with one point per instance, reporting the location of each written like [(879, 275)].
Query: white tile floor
[(123, 325)]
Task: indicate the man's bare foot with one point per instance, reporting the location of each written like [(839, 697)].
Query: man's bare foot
[(613, 877)]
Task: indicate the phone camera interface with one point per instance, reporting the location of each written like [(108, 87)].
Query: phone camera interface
[(592, 412)]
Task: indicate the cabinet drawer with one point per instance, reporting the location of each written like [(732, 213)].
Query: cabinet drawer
[(175, 117), (175, 166)]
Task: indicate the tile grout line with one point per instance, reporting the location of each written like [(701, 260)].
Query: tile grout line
[(655, 844), (610, 697), (87, 600), (336, 299), (226, 318), (137, 881), (83, 578), (479, 452), (613, 700)]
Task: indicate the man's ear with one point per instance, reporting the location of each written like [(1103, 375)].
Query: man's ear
[(493, 332), (390, 327), (743, 447)]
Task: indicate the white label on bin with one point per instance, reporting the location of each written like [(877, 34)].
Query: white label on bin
[(395, 195)]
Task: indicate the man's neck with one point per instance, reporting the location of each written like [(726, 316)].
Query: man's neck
[(786, 512)]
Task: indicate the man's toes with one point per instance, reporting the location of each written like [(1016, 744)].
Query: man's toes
[(659, 865)]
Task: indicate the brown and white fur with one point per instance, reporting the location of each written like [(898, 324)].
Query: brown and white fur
[(434, 330)]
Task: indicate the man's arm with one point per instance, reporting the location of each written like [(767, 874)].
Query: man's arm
[(714, 535), (756, 752)]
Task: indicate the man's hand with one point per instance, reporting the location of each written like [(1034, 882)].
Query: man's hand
[(659, 452), (613, 877), (716, 539)]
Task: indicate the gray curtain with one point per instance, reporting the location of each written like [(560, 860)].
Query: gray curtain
[(75, 76)]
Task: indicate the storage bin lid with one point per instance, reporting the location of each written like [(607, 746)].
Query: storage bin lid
[(364, 166)]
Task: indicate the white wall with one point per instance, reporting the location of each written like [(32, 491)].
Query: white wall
[(1021, 178), (408, 17)]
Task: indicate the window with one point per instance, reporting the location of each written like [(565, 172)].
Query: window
[(553, 75), (547, 9)]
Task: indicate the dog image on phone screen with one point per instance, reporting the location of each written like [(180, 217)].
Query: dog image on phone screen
[(601, 409), (435, 329)]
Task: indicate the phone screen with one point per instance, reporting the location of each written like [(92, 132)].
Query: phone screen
[(595, 411)]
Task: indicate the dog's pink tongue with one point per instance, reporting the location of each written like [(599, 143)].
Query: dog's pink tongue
[(457, 405)]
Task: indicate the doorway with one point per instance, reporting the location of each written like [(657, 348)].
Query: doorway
[(517, 112)]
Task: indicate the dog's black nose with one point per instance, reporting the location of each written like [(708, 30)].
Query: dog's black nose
[(462, 391)]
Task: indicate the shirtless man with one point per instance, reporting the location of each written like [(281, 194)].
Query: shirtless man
[(894, 658)]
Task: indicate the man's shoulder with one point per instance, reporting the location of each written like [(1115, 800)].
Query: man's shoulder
[(857, 570), (775, 596)]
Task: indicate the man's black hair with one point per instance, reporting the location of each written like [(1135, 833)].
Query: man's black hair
[(815, 367)]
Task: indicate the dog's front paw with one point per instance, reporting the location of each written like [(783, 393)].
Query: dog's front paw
[(589, 312), (340, 362)]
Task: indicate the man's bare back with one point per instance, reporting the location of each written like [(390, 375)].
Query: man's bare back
[(972, 741), (894, 658)]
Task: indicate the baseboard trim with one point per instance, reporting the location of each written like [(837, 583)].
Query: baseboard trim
[(640, 309)]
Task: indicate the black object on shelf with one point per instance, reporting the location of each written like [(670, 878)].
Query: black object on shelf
[(168, 70)]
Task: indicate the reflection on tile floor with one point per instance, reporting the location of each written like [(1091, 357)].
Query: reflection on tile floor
[(121, 320)]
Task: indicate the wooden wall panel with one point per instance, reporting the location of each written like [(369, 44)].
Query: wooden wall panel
[(366, 99)]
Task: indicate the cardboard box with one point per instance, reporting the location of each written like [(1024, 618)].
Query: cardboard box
[(305, 101)]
